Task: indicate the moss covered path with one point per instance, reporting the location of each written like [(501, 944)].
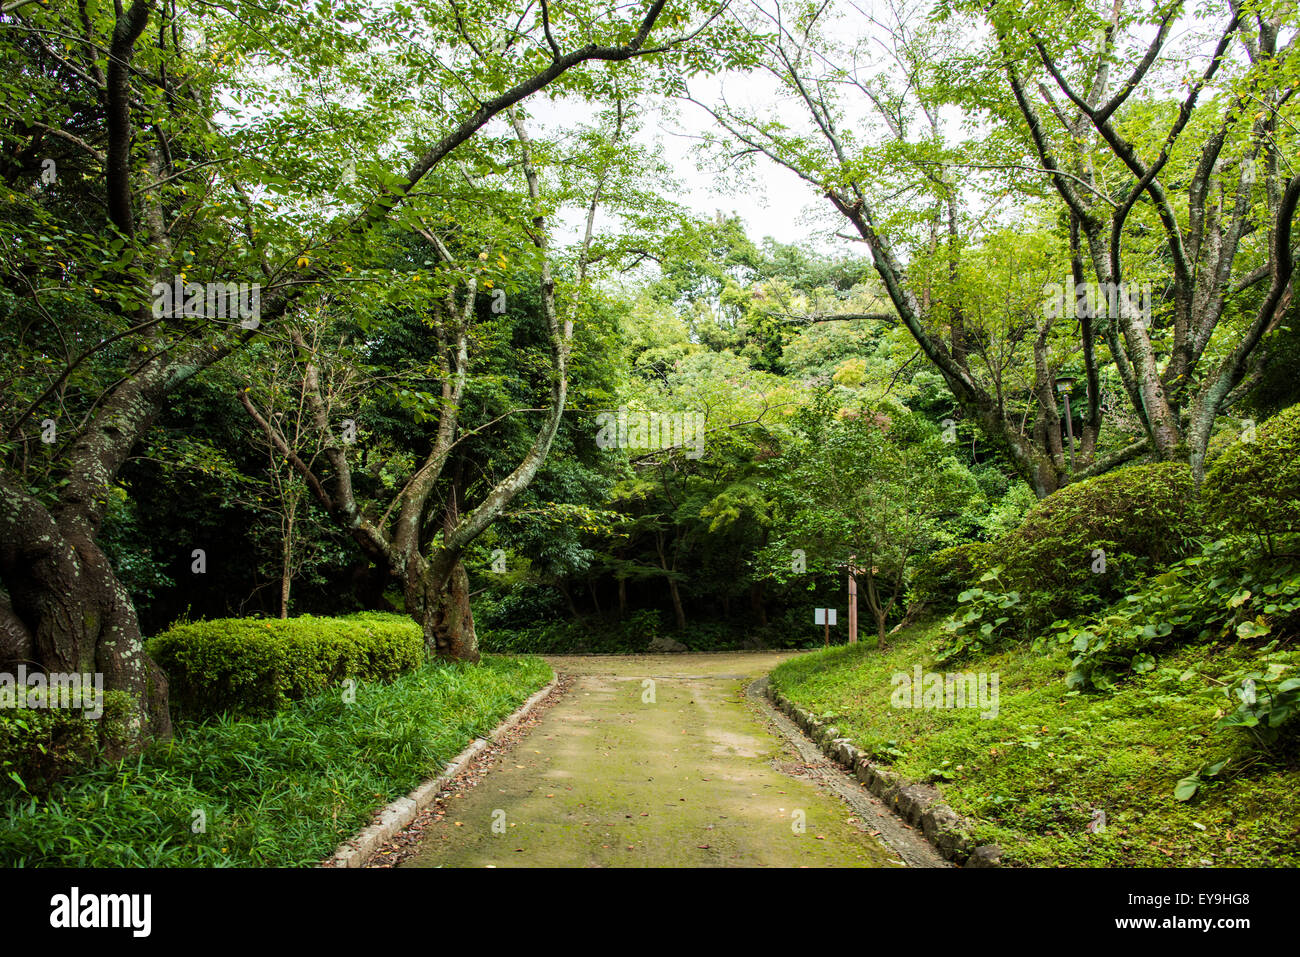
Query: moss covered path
[(650, 761)]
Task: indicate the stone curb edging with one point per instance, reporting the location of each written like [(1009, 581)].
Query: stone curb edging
[(916, 803), (391, 819)]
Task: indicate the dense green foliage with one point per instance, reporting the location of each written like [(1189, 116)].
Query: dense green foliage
[(1087, 543), (1254, 486), (944, 574), (1215, 595), (282, 792), (878, 488), (250, 666)]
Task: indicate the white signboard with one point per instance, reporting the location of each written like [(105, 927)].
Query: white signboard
[(821, 616)]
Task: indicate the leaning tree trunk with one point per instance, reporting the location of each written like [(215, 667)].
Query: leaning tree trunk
[(78, 618)]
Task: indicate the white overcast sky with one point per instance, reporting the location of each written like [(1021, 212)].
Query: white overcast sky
[(769, 199), (772, 201)]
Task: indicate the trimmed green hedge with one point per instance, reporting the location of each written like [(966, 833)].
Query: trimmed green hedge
[(1254, 486), (256, 666)]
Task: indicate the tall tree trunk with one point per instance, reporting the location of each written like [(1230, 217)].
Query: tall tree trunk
[(285, 583), (447, 618), (568, 598), (678, 611), (673, 590), (878, 611), (286, 563)]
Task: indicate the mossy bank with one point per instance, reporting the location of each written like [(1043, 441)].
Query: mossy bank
[(1070, 778)]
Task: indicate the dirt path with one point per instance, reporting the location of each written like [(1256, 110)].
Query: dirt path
[(651, 761)]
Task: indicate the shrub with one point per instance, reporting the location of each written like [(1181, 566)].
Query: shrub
[(256, 666), (1254, 486), (524, 604), (1216, 595), (1007, 514), (40, 745), (540, 638), (944, 574), (596, 636), (984, 619), (1266, 700), (1083, 546)]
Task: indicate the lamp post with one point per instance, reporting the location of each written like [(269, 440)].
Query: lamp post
[(1065, 385)]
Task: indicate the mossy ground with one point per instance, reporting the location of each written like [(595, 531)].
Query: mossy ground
[(1034, 777), (608, 778)]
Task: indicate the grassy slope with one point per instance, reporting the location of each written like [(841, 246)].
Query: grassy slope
[(1032, 777), (280, 792)]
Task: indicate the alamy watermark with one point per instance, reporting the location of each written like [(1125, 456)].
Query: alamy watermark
[(952, 690), (651, 431), (54, 690), (1097, 300), (75, 909), (209, 300)]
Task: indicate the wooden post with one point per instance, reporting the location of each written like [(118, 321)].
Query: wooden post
[(828, 629), (853, 601)]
